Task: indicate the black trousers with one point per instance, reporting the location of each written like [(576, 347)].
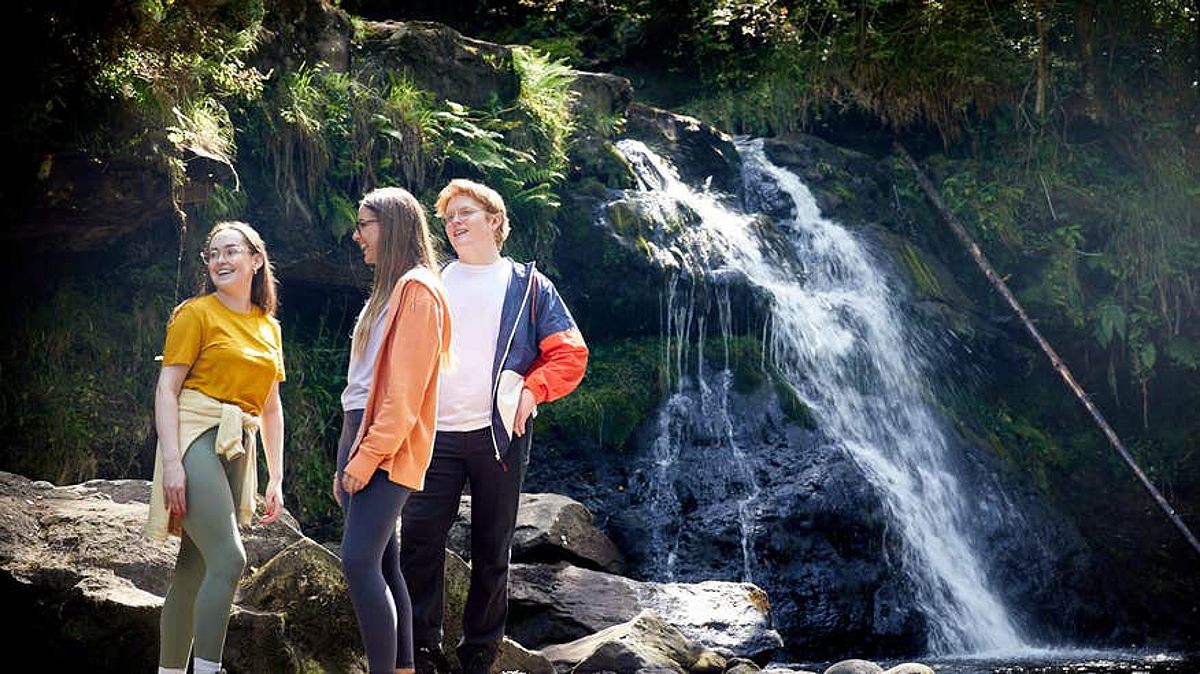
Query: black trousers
[(462, 458)]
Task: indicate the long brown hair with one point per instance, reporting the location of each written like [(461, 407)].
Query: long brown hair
[(263, 289), (404, 243)]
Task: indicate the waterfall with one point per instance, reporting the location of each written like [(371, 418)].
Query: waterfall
[(838, 339)]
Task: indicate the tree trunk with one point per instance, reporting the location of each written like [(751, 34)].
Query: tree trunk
[(1039, 107), (1057, 362), (1085, 41)]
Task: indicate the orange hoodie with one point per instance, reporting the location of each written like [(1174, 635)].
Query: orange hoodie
[(401, 414)]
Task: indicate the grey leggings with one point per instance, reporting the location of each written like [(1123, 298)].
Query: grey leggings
[(371, 561), (211, 558)]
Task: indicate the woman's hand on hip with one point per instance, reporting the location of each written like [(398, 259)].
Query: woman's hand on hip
[(175, 488), (337, 494)]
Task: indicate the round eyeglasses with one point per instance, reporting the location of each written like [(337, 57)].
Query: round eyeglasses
[(213, 255)]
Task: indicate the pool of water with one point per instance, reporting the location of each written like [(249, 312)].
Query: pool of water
[(1043, 662)]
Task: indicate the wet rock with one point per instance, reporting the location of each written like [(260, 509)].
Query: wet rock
[(550, 528), (910, 668), (560, 603), (854, 666)]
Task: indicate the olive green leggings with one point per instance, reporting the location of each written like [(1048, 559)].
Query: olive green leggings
[(211, 558)]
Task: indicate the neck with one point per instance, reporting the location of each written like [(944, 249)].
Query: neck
[(238, 301), (480, 257)]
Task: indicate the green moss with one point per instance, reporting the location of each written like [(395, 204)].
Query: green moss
[(920, 272), (793, 407), (622, 388), (745, 356)]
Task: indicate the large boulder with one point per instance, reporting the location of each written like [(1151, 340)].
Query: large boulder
[(559, 603), (305, 583), (88, 586), (644, 644), (550, 528)]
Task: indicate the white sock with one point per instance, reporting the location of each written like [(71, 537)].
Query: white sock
[(202, 666), (171, 670)]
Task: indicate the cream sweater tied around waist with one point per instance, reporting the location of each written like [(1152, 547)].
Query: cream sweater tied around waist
[(237, 434)]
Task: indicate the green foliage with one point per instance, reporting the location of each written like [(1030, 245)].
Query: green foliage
[(316, 375), (177, 70), (72, 372), (622, 388), (329, 138)]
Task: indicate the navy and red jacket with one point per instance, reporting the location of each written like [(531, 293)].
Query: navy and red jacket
[(538, 341)]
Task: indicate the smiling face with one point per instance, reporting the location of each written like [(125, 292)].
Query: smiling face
[(232, 262), (471, 230), (366, 234)]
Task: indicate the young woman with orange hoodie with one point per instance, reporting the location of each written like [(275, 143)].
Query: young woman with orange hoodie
[(400, 344)]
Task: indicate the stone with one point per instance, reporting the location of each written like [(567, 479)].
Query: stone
[(644, 644), (910, 668), (854, 666), (560, 603), (305, 582), (550, 528)]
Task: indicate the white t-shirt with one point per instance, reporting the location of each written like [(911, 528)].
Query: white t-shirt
[(476, 297), (362, 368)]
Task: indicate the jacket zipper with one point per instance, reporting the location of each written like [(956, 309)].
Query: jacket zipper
[(503, 358)]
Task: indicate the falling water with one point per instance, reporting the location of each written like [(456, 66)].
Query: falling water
[(837, 337)]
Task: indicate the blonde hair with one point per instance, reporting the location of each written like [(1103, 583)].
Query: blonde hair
[(404, 243), (492, 202), (263, 289)]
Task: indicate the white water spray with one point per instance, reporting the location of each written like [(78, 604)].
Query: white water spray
[(837, 337)]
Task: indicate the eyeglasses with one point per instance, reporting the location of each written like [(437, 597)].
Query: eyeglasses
[(217, 254), (360, 225), (461, 214)]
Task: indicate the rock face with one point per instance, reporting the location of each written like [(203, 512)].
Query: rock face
[(703, 154), (441, 60), (820, 536)]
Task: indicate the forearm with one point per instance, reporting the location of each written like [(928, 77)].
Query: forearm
[(272, 435), (166, 423), (559, 368)]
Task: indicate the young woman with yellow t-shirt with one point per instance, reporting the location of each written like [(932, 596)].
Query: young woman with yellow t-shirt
[(218, 388)]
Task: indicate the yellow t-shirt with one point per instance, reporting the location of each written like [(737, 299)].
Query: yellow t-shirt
[(231, 356)]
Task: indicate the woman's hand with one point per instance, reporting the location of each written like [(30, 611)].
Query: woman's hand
[(352, 484), (273, 501), (175, 487), (337, 495)]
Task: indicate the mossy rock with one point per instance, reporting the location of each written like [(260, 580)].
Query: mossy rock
[(305, 583)]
